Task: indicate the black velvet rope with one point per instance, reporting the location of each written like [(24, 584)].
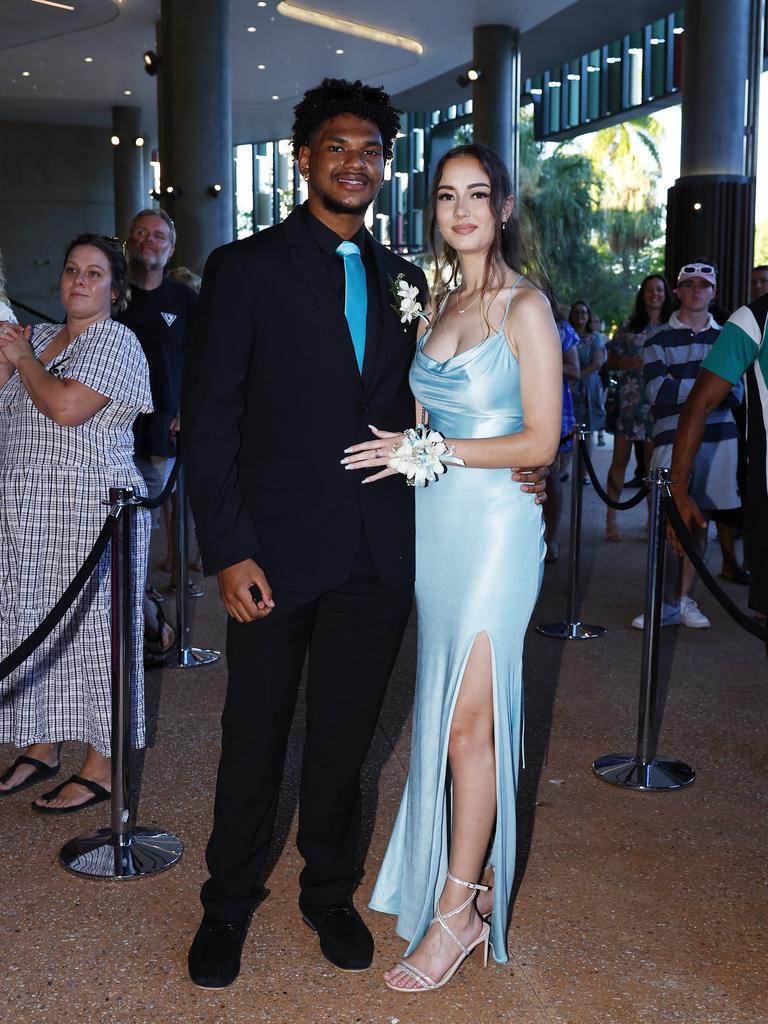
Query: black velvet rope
[(166, 492), (687, 544), (620, 506), (56, 614)]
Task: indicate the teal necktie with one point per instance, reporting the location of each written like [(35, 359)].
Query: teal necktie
[(355, 297)]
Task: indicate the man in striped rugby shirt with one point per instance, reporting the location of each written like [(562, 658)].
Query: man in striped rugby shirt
[(740, 350), (671, 359)]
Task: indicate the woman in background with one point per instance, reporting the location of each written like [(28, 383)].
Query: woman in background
[(68, 398), (653, 306)]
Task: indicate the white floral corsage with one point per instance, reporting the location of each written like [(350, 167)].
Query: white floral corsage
[(421, 455), (405, 300)]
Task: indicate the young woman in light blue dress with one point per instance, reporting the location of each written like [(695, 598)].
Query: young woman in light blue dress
[(488, 375)]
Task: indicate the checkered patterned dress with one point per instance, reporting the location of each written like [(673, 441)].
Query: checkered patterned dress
[(53, 480)]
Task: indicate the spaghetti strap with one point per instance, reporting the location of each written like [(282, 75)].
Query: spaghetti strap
[(509, 300)]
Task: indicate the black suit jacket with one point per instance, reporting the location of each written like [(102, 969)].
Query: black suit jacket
[(272, 395)]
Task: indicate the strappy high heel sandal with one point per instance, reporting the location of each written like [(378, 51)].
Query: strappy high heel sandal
[(427, 984), (488, 877)]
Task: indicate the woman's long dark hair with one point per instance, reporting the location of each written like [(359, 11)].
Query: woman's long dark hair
[(640, 319), (515, 244)]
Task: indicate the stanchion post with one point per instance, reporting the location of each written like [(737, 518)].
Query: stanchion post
[(573, 628), (121, 851), (187, 655), (645, 770), (121, 601)]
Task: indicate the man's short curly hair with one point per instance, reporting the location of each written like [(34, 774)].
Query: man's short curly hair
[(336, 96)]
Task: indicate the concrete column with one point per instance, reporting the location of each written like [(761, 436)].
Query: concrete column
[(195, 122), (711, 207), (715, 66), (128, 167), (496, 94)]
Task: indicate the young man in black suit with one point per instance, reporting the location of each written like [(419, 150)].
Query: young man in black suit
[(277, 385)]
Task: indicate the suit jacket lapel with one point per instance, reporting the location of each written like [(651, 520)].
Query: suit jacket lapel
[(312, 273), (376, 338)]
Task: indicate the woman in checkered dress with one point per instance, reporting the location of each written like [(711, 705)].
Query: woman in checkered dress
[(68, 398)]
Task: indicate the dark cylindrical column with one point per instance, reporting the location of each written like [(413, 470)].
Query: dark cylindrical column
[(496, 93), (710, 209), (128, 167), (715, 66), (196, 125)]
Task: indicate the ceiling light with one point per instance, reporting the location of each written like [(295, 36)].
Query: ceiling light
[(635, 49), (261, 3), (261, 67), (470, 75), (53, 3), (251, 28), (25, 74), (352, 28), (554, 85), (127, 92), (655, 41), (214, 190), (339, 51), (275, 97), (88, 60), (591, 68), (151, 62), (139, 140), (173, 191), (678, 30), (697, 206), (613, 60), (115, 140), (535, 92), (574, 78)]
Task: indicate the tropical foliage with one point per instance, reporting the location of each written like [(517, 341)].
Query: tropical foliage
[(598, 212)]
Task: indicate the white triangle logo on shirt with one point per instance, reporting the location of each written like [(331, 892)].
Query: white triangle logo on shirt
[(168, 317)]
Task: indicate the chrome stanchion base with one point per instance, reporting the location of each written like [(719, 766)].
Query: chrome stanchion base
[(103, 854), (570, 630), (627, 771), (191, 657)]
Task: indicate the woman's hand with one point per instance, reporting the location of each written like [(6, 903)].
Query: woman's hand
[(14, 342), (373, 454)]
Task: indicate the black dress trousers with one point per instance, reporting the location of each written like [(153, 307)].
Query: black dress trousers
[(353, 635)]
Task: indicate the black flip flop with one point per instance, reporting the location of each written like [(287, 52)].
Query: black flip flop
[(42, 771), (99, 796)]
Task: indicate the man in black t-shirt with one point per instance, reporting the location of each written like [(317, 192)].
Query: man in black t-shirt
[(159, 314)]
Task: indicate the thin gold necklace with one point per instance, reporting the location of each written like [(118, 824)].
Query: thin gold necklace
[(462, 311)]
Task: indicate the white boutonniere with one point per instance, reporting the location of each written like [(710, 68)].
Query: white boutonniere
[(405, 300)]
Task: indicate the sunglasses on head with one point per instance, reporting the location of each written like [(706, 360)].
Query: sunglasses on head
[(698, 268)]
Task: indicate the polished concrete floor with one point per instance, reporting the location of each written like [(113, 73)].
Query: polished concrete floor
[(630, 907)]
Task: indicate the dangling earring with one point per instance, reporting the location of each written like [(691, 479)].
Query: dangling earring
[(503, 225)]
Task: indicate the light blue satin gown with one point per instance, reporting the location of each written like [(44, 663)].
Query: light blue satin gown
[(479, 563)]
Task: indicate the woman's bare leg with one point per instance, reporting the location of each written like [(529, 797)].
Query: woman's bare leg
[(472, 760), (622, 449)]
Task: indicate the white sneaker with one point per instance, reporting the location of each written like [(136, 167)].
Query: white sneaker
[(692, 615), (669, 617)]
